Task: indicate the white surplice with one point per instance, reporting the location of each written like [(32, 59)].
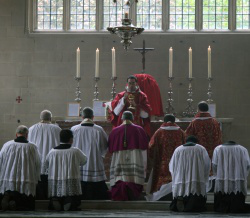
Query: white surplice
[(20, 167), (189, 166), (92, 141), (64, 172), (45, 136), (230, 165)]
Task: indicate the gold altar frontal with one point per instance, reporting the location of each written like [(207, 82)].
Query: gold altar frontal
[(67, 123)]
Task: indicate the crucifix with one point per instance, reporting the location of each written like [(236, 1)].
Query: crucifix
[(19, 99), (143, 51)]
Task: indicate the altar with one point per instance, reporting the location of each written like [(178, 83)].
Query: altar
[(68, 122)]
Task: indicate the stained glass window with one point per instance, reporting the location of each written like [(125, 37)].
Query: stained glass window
[(49, 14), (182, 14), (149, 14), (215, 14), (242, 14), (83, 14)]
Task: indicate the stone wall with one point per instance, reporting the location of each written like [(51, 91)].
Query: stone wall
[(41, 69)]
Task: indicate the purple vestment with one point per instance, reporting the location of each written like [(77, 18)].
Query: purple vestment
[(136, 138)]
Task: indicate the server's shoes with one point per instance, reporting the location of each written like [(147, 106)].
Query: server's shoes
[(56, 204), (180, 204), (5, 201), (67, 206), (12, 205)]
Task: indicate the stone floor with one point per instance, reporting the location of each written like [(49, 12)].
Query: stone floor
[(127, 209), (115, 213)]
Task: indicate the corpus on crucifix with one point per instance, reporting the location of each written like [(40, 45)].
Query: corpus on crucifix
[(19, 99), (148, 84), (143, 51)]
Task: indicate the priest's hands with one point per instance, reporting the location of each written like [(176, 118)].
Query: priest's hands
[(132, 102), (128, 99)]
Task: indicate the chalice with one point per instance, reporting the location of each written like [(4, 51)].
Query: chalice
[(131, 98)]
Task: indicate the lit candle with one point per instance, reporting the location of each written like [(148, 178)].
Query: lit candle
[(190, 62), (78, 63), (97, 63), (113, 63), (209, 62), (171, 62)]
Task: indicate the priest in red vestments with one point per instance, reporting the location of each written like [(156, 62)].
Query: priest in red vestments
[(161, 148), (205, 128), (149, 86), (134, 100), (127, 143)]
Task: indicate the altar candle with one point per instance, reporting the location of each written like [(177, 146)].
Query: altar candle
[(78, 63), (170, 62), (209, 62), (190, 62), (113, 63), (97, 63)]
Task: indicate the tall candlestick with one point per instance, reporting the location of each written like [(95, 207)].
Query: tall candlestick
[(189, 111), (171, 62), (209, 62), (78, 75), (113, 63), (190, 62), (97, 63)]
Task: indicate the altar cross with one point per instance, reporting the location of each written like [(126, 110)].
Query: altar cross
[(143, 51)]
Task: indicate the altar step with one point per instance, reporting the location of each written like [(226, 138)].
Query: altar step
[(42, 205), (129, 205)]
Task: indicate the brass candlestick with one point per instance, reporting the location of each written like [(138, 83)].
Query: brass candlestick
[(78, 92), (209, 91), (96, 92), (189, 111), (113, 92), (170, 107)]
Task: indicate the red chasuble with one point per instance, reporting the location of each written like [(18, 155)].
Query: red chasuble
[(141, 102), (161, 148), (207, 130), (149, 86)]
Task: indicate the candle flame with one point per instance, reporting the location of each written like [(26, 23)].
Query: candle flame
[(97, 49)]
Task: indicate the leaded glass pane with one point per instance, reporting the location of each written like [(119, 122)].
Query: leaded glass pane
[(83, 14), (49, 14), (149, 14), (182, 14), (215, 14), (112, 13), (242, 14)]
